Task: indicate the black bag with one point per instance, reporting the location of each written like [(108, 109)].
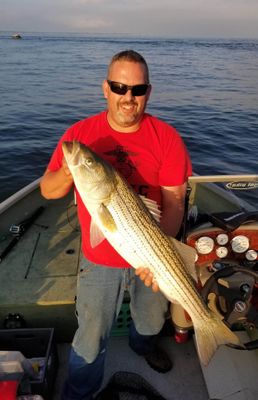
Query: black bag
[(128, 386)]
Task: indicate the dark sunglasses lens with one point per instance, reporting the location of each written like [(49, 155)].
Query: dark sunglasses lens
[(121, 89), (139, 90), (118, 88)]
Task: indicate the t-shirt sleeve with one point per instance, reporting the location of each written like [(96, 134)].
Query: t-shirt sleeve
[(56, 159), (176, 166)]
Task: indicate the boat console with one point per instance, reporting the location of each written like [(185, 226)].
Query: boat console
[(222, 226), (226, 244)]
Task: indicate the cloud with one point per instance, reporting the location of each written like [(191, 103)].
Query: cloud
[(152, 17), (84, 24)]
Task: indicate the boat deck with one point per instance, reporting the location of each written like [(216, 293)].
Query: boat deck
[(184, 382), (38, 276), (38, 281)]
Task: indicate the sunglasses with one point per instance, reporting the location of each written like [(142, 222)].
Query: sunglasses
[(122, 89)]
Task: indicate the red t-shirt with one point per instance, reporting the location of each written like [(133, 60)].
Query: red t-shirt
[(148, 158)]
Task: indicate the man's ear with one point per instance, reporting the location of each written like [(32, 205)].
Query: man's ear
[(105, 88), (149, 91)]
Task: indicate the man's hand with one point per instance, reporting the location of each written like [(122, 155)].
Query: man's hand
[(66, 169), (147, 277), (56, 184)]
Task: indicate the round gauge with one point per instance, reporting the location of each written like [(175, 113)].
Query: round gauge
[(240, 244), (222, 252), (251, 255), (204, 245), (222, 239)]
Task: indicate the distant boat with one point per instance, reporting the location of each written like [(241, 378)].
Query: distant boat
[(16, 36)]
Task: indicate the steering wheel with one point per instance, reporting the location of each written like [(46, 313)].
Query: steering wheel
[(229, 292)]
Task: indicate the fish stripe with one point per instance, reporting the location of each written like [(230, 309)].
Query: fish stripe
[(140, 228)]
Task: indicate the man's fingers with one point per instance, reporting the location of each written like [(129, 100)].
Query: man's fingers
[(155, 287), (140, 270), (147, 277), (144, 274), (66, 168)]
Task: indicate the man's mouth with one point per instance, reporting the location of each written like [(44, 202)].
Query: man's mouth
[(128, 106)]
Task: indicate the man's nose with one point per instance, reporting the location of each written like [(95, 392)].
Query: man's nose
[(129, 95)]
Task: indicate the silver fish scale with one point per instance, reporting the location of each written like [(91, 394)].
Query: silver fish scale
[(142, 235)]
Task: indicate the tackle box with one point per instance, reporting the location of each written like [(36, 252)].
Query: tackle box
[(37, 345)]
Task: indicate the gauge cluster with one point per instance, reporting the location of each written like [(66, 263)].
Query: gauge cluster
[(214, 244)]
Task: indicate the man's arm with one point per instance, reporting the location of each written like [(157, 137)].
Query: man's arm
[(56, 184), (173, 202), (173, 205)]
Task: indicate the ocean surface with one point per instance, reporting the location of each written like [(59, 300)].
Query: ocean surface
[(207, 89)]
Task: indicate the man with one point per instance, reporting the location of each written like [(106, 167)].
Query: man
[(151, 155)]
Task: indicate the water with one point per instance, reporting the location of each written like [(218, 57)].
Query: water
[(207, 89)]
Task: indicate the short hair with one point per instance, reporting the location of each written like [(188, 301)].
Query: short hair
[(131, 56)]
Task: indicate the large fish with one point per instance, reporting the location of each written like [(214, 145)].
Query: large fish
[(122, 217)]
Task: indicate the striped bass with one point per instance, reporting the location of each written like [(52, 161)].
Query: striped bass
[(122, 217)]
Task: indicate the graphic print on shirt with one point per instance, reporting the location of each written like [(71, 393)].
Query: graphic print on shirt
[(125, 166)]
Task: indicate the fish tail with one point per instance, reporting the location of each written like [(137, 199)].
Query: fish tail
[(210, 335)]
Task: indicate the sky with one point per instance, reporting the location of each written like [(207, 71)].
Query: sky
[(172, 18)]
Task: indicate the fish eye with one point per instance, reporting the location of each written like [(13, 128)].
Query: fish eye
[(89, 161)]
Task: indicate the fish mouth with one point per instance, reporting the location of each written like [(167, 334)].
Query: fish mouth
[(68, 147), (71, 150)]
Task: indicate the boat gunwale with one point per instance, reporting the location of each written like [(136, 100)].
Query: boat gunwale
[(19, 195)]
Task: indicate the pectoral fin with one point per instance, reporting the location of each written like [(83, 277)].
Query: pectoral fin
[(106, 218), (188, 255), (106, 221)]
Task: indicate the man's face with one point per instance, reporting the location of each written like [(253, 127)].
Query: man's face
[(125, 111)]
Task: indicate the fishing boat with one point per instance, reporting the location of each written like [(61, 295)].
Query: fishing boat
[(16, 36), (40, 245)]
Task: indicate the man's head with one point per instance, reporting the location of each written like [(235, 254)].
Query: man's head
[(127, 90), (131, 56)]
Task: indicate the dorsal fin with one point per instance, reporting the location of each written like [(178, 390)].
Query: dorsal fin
[(153, 207)]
